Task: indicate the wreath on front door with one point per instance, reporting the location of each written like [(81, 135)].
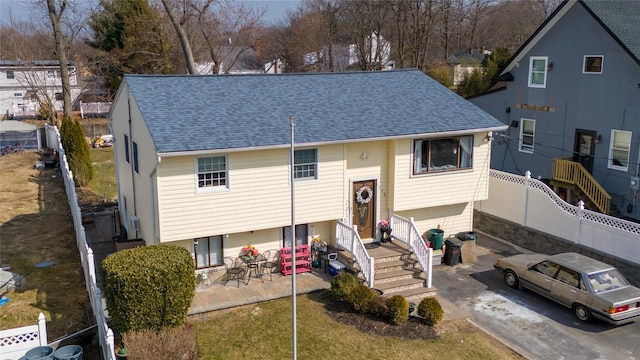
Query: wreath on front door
[(364, 195)]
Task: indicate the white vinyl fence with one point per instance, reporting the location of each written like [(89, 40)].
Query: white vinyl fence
[(105, 334), (14, 343), (531, 203)]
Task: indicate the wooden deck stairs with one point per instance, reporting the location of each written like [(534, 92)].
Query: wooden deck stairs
[(397, 271)]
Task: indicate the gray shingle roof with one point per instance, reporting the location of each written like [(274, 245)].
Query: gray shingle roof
[(622, 17), (213, 112)]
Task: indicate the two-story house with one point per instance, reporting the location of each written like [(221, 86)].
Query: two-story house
[(25, 85), (571, 98), (204, 162)]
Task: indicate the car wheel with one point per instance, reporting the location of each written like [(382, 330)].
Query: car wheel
[(582, 313), (511, 279)]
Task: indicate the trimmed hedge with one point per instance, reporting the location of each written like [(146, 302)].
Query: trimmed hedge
[(342, 285), (430, 310), (398, 309), (149, 287), (361, 298)]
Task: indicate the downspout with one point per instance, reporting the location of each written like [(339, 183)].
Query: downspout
[(131, 164), (153, 200)]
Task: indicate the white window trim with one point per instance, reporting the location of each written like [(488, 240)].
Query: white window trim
[(305, 179), (584, 63), (211, 189), (521, 147), (546, 64), (609, 160)]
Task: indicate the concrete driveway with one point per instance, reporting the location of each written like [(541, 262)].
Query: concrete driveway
[(530, 324)]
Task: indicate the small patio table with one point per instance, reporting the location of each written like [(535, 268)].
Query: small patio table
[(254, 266)]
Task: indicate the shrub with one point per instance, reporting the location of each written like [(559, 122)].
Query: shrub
[(378, 306), (360, 298), (148, 287), (397, 309), (174, 343), (430, 310), (342, 285), (77, 151)]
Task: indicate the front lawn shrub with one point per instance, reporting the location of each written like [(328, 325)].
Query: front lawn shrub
[(430, 310), (148, 287), (378, 306), (171, 343), (360, 298), (397, 309), (342, 285)]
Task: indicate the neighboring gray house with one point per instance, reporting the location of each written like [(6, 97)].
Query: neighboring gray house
[(571, 98)]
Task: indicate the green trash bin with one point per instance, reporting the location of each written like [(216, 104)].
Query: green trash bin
[(40, 353), (435, 238), (68, 352)]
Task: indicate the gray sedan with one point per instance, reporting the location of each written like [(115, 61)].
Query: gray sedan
[(591, 288)]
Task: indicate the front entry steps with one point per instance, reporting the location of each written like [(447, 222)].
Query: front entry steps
[(397, 271)]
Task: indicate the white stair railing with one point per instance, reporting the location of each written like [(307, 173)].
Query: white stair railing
[(405, 230), (347, 238)]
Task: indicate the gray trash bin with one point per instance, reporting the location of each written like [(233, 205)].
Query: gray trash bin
[(40, 353), (68, 352)]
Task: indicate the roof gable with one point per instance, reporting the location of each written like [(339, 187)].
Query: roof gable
[(618, 18), (219, 112)]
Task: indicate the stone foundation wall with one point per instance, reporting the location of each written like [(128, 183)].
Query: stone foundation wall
[(544, 243)]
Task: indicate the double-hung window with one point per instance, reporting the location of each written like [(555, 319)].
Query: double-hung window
[(305, 164), (619, 150), (10, 74), (212, 172), (126, 148), (208, 251), (592, 64), (527, 135), (437, 155), (538, 71), (135, 158)]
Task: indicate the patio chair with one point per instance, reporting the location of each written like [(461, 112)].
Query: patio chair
[(235, 269), (272, 263)]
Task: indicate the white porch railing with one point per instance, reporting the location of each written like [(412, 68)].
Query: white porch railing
[(405, 230), (105, 334), (347, 238), (14, 343)]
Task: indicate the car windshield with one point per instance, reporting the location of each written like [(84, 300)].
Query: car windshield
[(607, 280)]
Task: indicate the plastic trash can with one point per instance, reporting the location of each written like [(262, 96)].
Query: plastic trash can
[(452, 251), (68, 352), (467, 235), (435, 238), (40, 353)]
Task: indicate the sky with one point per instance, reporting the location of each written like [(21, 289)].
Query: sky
[(276, 9)]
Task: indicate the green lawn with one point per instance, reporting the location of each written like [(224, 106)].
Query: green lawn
[(263, 331), (103, 184)]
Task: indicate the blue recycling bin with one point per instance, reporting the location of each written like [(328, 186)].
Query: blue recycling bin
[(40, 353), (68, 352)]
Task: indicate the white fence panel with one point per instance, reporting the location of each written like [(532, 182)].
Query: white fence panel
[(508, 205), (14, 343), (531, 203)]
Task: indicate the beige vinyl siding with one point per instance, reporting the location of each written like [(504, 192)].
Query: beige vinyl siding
[(138, 200), (447, 188), (451, 218), (147, 160), (258, 196), (374, 167)]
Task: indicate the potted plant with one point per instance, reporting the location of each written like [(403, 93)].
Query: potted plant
[(121, 353), (385, 230)]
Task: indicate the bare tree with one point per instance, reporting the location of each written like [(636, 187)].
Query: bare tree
[(178, 24), (365, 21), (228, 30)]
